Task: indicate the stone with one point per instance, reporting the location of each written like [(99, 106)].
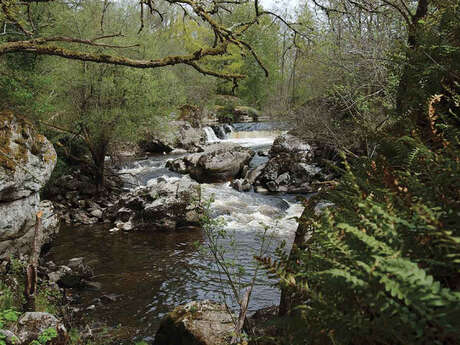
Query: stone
[(219, 162), (261, 190), (17, 224), (9, 337), (155, 146), (164, 204), (293, 167), (93, 205), (241, 185), (75, 262), (228, 128), (263, 153), (31, 324), (81, 217), (27, 161), (109, 298), (96, 286), (97, 213), (196, 323), (182, 135), (72, 275)]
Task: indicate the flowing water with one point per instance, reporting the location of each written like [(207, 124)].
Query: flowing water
[(147, 274)]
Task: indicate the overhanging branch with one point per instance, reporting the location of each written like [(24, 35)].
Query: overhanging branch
[(38, 46)]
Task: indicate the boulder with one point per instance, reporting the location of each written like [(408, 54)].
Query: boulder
[(196, 323), (26, 162), (181, 136), (245, 184), (74, 275), (293, 167), (161, 205), (219, 162), (156, 146), (241, 185), (227, 128), (32, 324)]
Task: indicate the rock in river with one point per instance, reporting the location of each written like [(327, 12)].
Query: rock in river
[(293, 167), (196, 323), (162, 205), (182, 135), (219, 162)]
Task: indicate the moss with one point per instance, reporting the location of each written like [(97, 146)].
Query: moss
[(27, 140), (5, 147)]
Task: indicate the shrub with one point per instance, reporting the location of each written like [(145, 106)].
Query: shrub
[(382, 265)]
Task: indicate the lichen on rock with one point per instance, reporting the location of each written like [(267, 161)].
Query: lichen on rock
[(26, 158)]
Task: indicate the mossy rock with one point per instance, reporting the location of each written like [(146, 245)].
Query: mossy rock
[(196, 323), (26, 158)]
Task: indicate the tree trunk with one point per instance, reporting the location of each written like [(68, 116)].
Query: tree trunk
[(290, 296), (408, 84), (98, 153)]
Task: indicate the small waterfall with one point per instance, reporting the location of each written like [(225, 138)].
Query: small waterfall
[(227, 128), (210, 135), (219, 131)]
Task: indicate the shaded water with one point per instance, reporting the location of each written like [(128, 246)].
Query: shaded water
[(150, 273)]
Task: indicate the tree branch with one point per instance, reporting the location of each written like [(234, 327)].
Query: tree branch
[(38, 47)]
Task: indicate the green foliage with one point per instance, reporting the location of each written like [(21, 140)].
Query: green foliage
[(8, 315), (45, 336), (386, 255)]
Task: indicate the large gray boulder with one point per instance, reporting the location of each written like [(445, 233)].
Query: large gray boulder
[(26, 162), (294, 166), (17, 224), (162, 205), (180, 135), (196, 323), (219, 162)]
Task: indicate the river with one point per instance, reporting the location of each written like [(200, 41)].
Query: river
[(146, 274)]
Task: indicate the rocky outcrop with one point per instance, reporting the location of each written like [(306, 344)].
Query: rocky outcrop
[(26, 162), (218, 163), (293, 167), (196, 323), (162, 205)]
